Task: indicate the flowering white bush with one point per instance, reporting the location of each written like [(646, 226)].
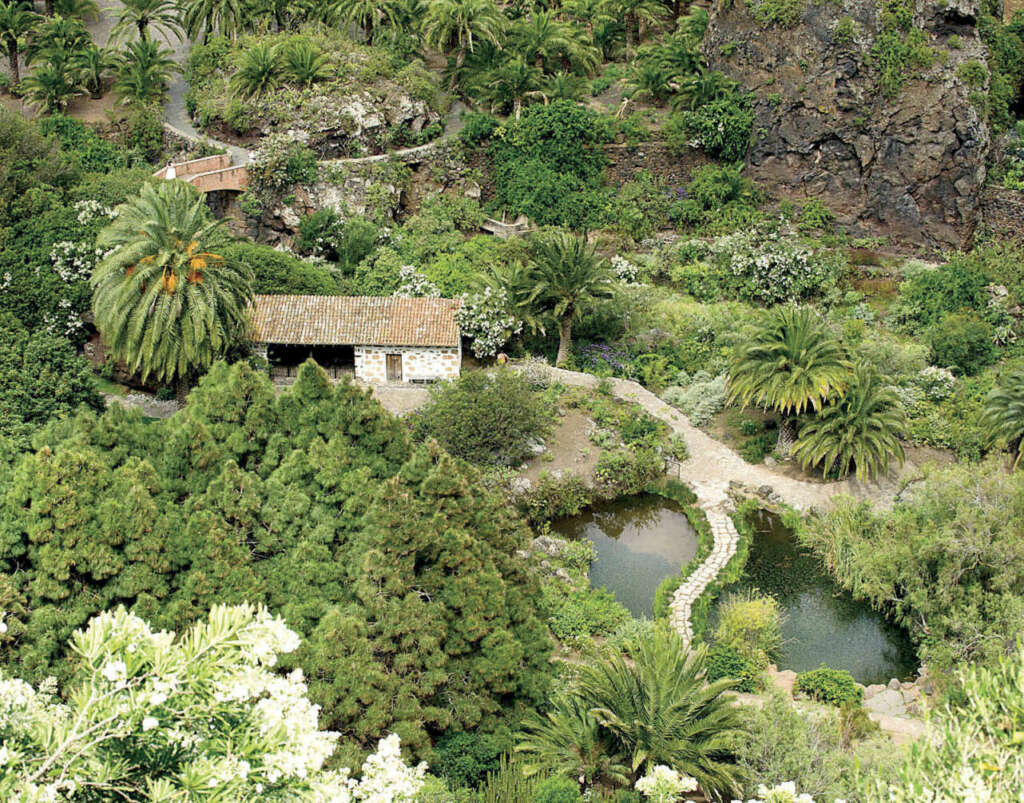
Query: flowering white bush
[(200, 717), (484, 317), (782, 793), (415, 285), (936, 383), (625, 271), (664, 785), (772, 269)]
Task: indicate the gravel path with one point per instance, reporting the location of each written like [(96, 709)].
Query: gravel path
[(709, 470)]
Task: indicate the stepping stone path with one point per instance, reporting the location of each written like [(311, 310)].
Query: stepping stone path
[(709, 470)]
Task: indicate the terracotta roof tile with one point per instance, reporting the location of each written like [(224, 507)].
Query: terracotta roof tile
[(355, 321)]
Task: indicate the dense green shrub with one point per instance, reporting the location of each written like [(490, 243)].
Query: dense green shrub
[(326, 234), (928, 293), (280, 272), (586, 612), (487, 418), (639, 207), (554, 497), (719, 198), (41, 376), (721, 127), (464, 759), (545, 165), (725, 661), (900, 50), (832, 686), (557, 790), (963, 342), (477, 128), (751, 625)]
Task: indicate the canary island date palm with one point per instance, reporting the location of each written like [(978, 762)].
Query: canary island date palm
[(458, 25), (257, 70), (659, 709), (145, 72), (367, 14), (139, 15), (302, 62), (16, 19), (91, 66), (859, 431), (569, 277), (790, 364), (1002, 418), (165, 299), (568, 740), (206, 17), (50, 85)]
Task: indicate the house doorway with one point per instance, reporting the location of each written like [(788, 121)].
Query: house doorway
[(394, 366)]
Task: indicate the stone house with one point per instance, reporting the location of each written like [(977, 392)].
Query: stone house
[(377, 339)]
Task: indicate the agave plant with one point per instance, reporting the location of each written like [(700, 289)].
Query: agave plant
[(304, 63), (1002, 418), (257, 71), (859, 431)]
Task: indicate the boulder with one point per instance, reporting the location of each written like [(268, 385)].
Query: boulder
[(911, 167)]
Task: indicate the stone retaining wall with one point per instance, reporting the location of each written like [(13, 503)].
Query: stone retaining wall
[(1002, 212)]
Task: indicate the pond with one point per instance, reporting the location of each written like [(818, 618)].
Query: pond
[(640, 540), (823, 623)]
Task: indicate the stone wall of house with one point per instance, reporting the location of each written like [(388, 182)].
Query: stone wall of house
[(417, 362)]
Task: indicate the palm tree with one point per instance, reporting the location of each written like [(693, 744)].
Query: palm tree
[(257, 70), (509, 84), (226, 17), (861, 430), (304, 63), (588, 13), (57, 40), (145, 72), (650, 81), (569, 277), (140, 14), (569, 740), (701, 88), (165, 300), (367, 14), (659, 709), (562, 86), (1002, 418), (51, 85), (459, 24), (16, 19), (540, 38), (790, 364), (635, 14), (91, 66)]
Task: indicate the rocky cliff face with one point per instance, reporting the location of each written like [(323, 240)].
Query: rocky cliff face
[(911, 167)]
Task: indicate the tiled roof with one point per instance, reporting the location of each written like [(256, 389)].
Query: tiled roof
[(355, 321)]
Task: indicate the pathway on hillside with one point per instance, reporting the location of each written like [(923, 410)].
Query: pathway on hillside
[(709, 470)]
